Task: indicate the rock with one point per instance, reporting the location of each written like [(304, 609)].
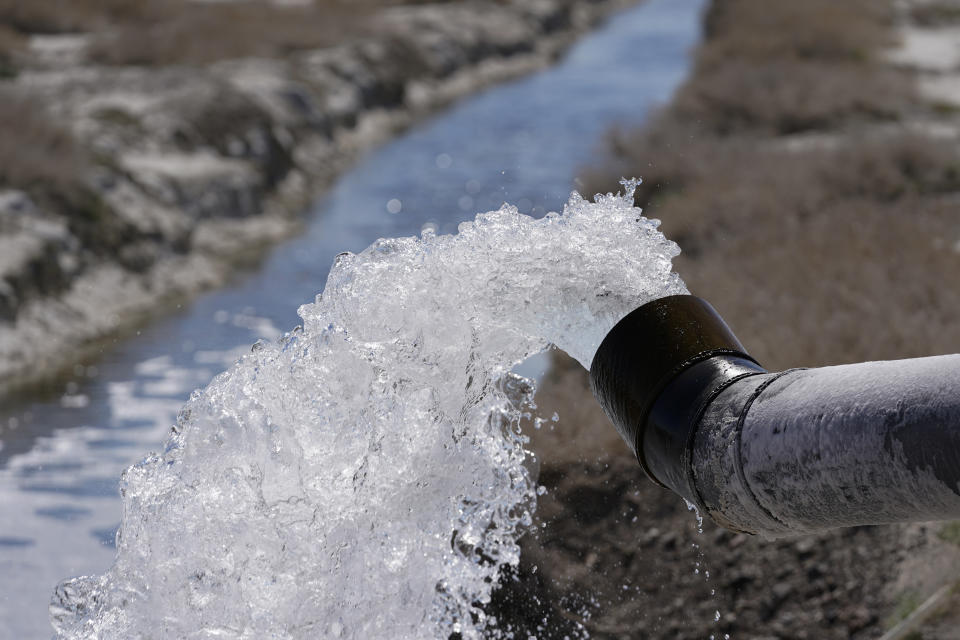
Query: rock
[(805, 546), (782, 590)]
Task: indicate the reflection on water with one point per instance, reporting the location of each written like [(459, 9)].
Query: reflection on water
[(60, 460)]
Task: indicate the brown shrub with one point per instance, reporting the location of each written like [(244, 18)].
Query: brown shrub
[(889, 168), (65, 16), (673, 156), (34, 151), (669, 154), (789, 96), (935, 14), (203, 33), (11, 44), (44, 159), (791, 66), (813, 29), (157, 32)]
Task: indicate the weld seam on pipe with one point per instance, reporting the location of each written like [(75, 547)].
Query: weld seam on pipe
[(671, 422), (698, 417), (722, 486), (738, 443)]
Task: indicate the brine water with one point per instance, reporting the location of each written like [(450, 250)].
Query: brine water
[(365, 476)]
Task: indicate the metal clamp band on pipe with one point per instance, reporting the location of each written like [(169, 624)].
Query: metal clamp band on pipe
[(779, 453)]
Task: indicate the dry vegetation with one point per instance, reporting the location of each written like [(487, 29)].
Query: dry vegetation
[(763, 70), (162, 32), (935, 14), (45, 160), (199, 34), (73, 16), (80, 16), (34, 151), (849, 31), (11, 45)]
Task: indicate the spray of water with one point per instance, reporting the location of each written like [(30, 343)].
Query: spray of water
[(364, 477)]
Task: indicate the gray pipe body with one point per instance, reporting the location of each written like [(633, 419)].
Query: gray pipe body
[(787, 453), (807, 450)]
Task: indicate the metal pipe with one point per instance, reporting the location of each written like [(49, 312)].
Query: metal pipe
[(786, 453)]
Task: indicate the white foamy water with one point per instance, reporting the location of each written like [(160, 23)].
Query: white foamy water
[(365, 477)]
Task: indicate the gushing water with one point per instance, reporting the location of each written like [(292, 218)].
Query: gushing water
[(365, 477)]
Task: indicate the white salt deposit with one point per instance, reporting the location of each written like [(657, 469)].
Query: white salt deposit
[(364, 477)]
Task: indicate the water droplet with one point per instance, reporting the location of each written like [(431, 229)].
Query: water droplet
[(693, 507)]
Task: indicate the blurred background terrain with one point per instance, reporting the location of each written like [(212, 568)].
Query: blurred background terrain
[(147, 148), (808, 167)]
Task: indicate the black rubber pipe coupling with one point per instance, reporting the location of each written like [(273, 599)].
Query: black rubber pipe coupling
[(655, 373)]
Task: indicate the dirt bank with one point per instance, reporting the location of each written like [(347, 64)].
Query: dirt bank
[(134, 173), (809, 170)]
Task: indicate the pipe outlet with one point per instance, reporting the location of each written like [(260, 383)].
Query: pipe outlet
[(785, 453)]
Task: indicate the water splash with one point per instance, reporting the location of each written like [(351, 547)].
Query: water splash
[(364, 476)]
